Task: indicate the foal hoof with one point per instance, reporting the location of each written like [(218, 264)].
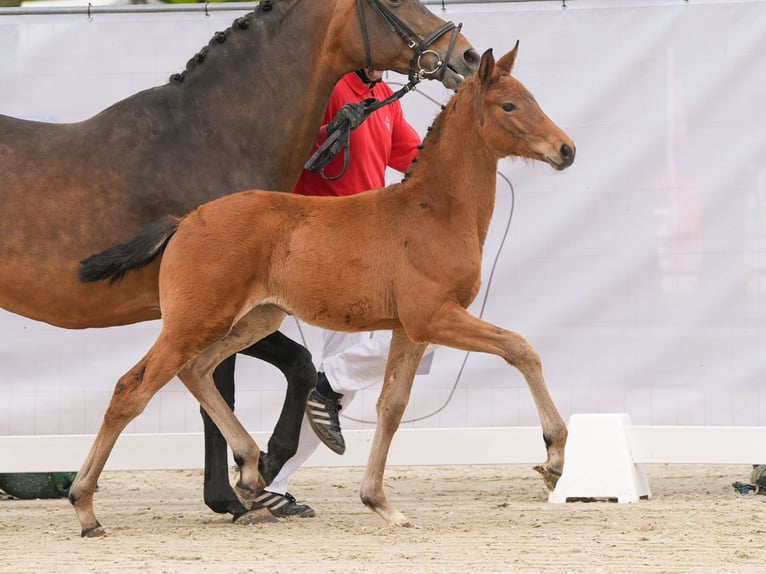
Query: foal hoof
[(550, 476), (255, 516), (94, 532), (248, 492)]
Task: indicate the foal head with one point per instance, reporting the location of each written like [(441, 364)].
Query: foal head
[(510, 121)]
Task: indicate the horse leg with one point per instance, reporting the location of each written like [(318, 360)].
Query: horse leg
[(455, 327), (131, 395), (295, 362), (246, 453), (197, 376), (218, 493), (403, 360)]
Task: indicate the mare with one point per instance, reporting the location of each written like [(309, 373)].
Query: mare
[(217, 128), (406, 257)]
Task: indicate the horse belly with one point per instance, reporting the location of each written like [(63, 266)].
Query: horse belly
[(54, 294), (336, 294), (52, 218)]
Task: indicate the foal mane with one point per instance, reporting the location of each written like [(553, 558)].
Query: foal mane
[(434, 131), (239, 24)]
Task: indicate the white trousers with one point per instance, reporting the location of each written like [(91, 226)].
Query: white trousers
[(352, 362)]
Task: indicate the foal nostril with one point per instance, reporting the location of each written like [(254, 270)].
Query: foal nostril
[(567, 154)]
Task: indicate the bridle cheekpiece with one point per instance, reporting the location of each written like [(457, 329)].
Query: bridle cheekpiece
[(420, 47)]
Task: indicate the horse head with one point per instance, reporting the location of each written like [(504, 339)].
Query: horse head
[(512, 122), (430, 48)]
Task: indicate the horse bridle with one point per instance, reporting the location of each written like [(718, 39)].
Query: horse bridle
[(419, 46)]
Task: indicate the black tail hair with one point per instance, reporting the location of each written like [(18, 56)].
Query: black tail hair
[(113, 263)]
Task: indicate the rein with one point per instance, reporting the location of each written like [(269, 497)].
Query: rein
[(341, 137)]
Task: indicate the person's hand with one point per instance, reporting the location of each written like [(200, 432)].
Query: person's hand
[(350, 115)]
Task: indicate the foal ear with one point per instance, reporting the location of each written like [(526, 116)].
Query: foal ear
[(486, 66), (506, 62)]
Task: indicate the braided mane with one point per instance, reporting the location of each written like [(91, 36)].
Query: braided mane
[(240, 23)]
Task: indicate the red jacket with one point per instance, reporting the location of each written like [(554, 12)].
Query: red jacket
[(384, 139)]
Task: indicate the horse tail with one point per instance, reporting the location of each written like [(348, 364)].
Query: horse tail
[(113, 263)]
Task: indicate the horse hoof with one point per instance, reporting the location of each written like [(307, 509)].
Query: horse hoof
[(550, 477), (94, 532), (409, 524), (256, 516), (248, 494)]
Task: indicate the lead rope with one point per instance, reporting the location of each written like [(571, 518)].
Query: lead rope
[(340, 137)]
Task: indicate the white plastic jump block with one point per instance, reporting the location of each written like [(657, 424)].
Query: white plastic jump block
[(598, 461)]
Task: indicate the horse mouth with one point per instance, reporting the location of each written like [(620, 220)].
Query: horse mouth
[(452, 79), (557, 165), (459, 66), (562, 161)]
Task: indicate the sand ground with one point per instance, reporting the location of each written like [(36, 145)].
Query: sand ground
[(480, 519)]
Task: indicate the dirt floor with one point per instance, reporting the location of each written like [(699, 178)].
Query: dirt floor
[(480, 519)]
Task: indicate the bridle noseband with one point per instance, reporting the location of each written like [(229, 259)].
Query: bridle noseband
[(419, 46)]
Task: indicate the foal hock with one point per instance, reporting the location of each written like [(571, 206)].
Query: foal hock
[(406, 258)]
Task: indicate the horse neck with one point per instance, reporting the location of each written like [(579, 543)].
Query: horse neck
[(242, 93), (455, 172)]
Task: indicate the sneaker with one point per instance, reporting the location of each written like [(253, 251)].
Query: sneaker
[(282, 505), (322, 413)]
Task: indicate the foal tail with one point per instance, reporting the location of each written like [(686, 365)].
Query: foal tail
[(113, 263)]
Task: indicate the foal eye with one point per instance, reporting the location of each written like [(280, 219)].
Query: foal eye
[(509, 107), (395, 3)]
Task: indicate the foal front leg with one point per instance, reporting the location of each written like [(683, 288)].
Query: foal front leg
[(403, 360), (455, 327), (131, 395)]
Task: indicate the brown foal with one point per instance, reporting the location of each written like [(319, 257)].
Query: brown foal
[(406, 257)]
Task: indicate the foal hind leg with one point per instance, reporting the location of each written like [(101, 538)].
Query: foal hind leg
[(244, 449), (131, 394), (295, 363), (197, 376), (218, 494), (403, 360), (455, 327)]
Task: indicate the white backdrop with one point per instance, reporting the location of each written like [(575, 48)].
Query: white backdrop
[(639, 274)]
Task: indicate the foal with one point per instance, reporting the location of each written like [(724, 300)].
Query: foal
[(406, 258)]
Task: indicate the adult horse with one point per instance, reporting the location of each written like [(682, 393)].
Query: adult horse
[(217, 128), (407, 258)]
